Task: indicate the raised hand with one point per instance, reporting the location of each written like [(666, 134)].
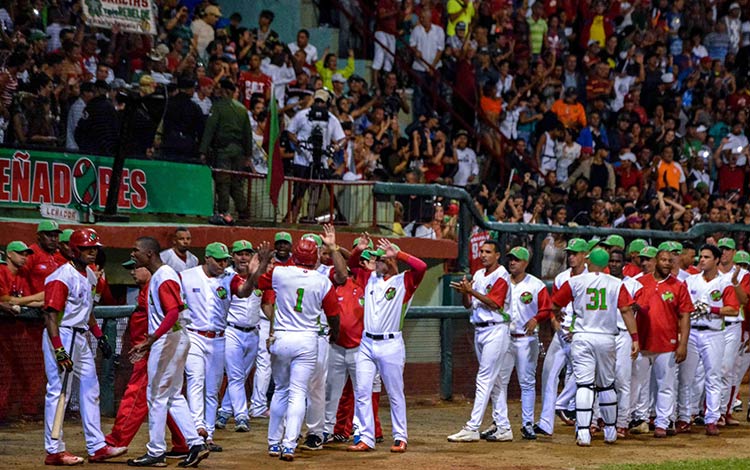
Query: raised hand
[(329, 236), (364, 241), (387, 246), (265, 253)]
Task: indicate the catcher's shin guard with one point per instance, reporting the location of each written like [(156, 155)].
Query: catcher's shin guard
[(608, 404), (584, 408)]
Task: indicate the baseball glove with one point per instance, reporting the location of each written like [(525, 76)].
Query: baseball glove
[(702, 311)]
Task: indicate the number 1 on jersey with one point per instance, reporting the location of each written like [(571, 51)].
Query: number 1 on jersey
[(598, 299), (298, 306)]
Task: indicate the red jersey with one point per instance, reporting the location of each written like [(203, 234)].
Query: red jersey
[(387, 17), (139, 319), (14, 285), (662, 303), (39, 265), (475, 242), (352, 300), (251, 83), (631, 270)]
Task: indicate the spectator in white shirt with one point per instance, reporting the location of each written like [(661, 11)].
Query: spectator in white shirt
[(468, 168), (303, 43), (202, 97), (203, 29), (428, 42)]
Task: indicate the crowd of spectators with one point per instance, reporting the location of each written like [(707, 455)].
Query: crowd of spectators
[(604, 113)]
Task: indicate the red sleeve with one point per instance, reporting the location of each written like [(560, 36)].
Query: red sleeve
[(730, 297), (544, 306), (235, 284), (563, 296), (105, 293), (331, 305), (414, 276), (745, 284), (685, 302), (499, 292), (624, 299), (265, 281), (4, 282), (170, 296), (360, 274), (269, 297), (170, 319), (55, 296)]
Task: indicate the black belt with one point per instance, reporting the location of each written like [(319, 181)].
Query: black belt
[(702, 328), (483, 324), (519, 335), (77, 329), (732, 322), (380, 337), (246, 329)]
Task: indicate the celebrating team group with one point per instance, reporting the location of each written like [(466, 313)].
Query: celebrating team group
[(645, 344)]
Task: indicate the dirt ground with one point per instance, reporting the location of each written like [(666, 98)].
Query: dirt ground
[(430, 421)]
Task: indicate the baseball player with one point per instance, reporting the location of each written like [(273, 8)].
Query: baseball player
[(68, 315), (487, 296), (302, 296), (714, 295), (133, 405), (241, 342), (388, 295), (42, 262), (529, 304), (282, 244), (558, 352), (167, 345), (633, 268), (596, 298), (179, 257), (14, 287), (209, 291)]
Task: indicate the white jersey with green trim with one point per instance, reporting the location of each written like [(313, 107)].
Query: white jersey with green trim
[(299, 298), (484, 283), (244, 312), (595, 303), (386, 301), (560, 279), (207, 298)]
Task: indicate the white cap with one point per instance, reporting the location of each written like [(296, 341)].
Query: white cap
[(701, 128), (733, 6), (337, 77), (628, 156), (591, 42), (667, 78)]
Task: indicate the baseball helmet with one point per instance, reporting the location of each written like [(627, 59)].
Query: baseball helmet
[(84, 238), (305, 252)]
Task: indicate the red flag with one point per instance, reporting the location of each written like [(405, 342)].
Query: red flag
[(272, 147)]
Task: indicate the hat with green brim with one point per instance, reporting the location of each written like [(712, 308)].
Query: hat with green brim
[(377, 253), (676, 247), (598, 257), (741, 257), (727, 243), (217, 250), (591, 244), (18, 247), (65, 235), (614, 241), (649, 252), (637, 245), (577, 245), (48, 226), (366, 255), (242, 245), (520, 253), (314, 237), (356, 242), (282, 237), (665, 246), (129, 264)]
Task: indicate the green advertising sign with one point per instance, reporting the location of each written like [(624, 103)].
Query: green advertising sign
[(30, 178)]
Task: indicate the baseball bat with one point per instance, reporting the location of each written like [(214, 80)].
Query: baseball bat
[(57, 423)]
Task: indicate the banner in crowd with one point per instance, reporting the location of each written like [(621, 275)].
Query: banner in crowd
[(30, 178), (132, 16)]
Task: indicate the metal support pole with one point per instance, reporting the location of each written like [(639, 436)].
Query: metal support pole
[(107, 380)]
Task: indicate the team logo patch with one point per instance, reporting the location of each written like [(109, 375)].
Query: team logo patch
[(488, 288), (258, 293), (527, 298), (390, 293), (667, 296), (715, 295), (221, 292)]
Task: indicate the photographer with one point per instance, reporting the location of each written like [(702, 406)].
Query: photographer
[(313, 131)]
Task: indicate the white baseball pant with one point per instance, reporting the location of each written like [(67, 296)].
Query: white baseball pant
[(522, 355), (315, 418), (557, 357), (663, 369), (85, 369), (166, 368), (708, 346), (204, 370), (640, 389), (262, 377), (383, 57), (741, 367), (593, 356), (240, 350), (732, 341), (492, 345), (623, 376), (342, 363), (388, 357), (293, 357)]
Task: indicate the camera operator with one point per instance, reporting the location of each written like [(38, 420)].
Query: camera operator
[(313, 131)]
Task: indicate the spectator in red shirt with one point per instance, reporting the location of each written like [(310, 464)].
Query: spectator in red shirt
[(731, 176), (386, 28), (628, 173), (43, 262), (14, 289), (253, 81)]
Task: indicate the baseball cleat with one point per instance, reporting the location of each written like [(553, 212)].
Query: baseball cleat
[(274, 450), (107, 452), (730, 420), (63, 458), (712, 429), (541, 432), (683, 427), (699, 420), (398, 447), (737, 405), (213, 447), (565, 417), (242, 425), (671, 431), (490, 430), (379, 439), (356, 440), (221, 421), (464, 435), (361, 447), (340, 438), (196, 454), (639, 427), (622, 432), (527, 432), (660, 433), (327, 438), (146, 460), (501, 435), (287, 454), (177, 454), (312, 442), (610, 434)]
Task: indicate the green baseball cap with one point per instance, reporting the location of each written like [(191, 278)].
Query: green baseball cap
[(242, 245), (314, 237), (741, 257), (19, 247), (676, 246), (282, 237), (520, 253), (217, 250), (366, 255), (48, 226), (591, 244), (664, 246), (637, 245), (615, 240), (577, 245), (65, 235), (356, 242), (377, 253), (727, 243), (129, 264), (649, 252), (599, 257)]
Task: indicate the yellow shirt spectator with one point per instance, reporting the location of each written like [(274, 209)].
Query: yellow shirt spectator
[(459, 10)]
